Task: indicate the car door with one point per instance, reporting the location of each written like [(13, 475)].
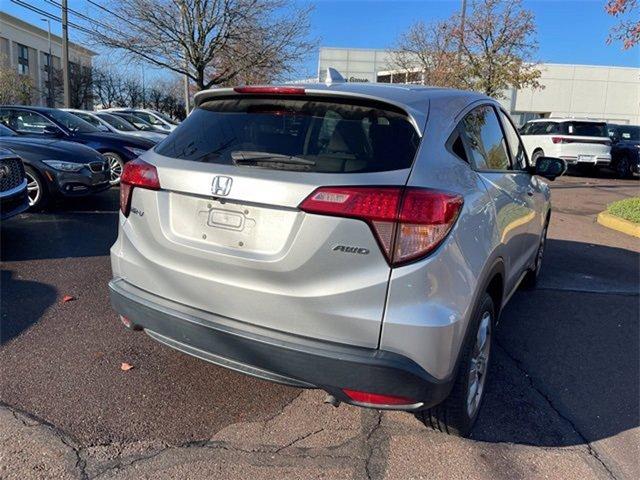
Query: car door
[(535, 189), (506, 186)]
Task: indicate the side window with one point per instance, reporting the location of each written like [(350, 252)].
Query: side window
[(485, 139), (88, 118), (518, 154), (29, 122)]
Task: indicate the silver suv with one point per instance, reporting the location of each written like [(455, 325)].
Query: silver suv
[(357, 238)]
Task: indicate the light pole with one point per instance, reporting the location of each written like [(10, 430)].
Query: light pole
[(65, 55), (49, 69)]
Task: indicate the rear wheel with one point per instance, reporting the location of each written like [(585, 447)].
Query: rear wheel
[(458, 413), (623, 168), (116, 165), (36, 189)]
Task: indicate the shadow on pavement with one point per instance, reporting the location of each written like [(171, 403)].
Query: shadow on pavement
[(23, 303), (576, 347), (60, 233)]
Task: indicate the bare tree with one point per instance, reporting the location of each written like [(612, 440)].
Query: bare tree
[(430, 50), (628, 28), (108, 88), (492, 52), (213, 42), (81, 83)]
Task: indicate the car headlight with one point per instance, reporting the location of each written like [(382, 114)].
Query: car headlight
[(136, 151), (64, 166)]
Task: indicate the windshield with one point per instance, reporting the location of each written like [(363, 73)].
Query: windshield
[(148, 118), (138, 123), (7, 132), (626, 132), (333, 137), (117, 122), (166, 118), (71, 122), (584, 129)]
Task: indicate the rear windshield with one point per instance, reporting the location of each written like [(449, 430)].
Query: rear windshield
[(625, 132), (301, 134), (584, 129)]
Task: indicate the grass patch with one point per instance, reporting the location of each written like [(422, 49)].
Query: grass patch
[(628, 209)]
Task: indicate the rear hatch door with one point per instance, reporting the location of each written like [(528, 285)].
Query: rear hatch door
[(225, 234)]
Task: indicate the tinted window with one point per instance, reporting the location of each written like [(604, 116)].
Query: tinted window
[(584, 129), (515, 145), (117, 122), (485, 139), (24, 121), (626, 132), (87, 118), (71, 122), (323, 136), (147, 117)]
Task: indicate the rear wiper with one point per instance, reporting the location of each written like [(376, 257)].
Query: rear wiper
[(240, 157)]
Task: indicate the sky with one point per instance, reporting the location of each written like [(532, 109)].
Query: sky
[(568, 31)]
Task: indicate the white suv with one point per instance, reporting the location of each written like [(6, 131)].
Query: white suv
[(583, 142)]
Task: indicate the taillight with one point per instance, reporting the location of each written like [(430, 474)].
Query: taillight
[(560, 140), (267, 90), (376, 398), (140, 174), (407, 222)]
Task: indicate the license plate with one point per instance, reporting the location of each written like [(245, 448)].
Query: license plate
[(587, 158), (228, 219)]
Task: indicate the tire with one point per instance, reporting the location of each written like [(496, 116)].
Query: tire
[(36, 189), (116, 165), (458, 413), (623, 168), (530, 281), (536, 155)]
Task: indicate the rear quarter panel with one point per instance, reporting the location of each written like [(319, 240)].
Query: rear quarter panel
[(430, 302)]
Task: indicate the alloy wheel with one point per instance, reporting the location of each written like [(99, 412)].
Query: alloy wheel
[(115, 168), (479, 364), (33, 189)]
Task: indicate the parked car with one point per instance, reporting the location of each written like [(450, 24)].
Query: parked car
[(578, 142), (13, 185), (110, 123), (625, 151), (152, 117), (57, 168), (362, 239), (52, 123), (140, 124)]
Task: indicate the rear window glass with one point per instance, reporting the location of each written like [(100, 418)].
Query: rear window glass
[(301, 134), (584, 129)]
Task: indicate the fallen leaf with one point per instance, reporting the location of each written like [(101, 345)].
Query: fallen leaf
[(125, 366), (68, 298)]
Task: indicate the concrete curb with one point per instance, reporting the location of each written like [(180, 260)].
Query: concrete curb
[(620, 224)]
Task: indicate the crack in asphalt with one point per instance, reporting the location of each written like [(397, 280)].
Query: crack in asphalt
[(371, 446), (589, 448), (35, 421)]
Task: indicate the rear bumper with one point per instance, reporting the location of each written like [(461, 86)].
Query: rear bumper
[(277, 356)]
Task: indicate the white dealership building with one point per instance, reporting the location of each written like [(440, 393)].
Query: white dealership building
[(581, 91)]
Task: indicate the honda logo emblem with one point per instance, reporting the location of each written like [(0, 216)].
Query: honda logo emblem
[(221, 186)]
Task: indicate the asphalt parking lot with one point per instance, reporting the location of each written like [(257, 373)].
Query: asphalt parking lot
[(563, 400)]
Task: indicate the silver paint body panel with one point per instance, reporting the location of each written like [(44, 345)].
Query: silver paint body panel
[(253, 256)]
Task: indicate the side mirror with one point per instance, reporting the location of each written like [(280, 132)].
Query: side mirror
[(52, 130), (550, 167)]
